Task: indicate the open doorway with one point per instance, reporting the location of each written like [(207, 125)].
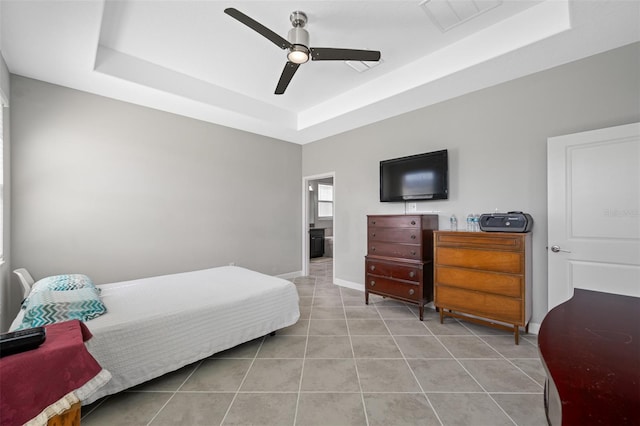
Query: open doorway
[(318, 220)]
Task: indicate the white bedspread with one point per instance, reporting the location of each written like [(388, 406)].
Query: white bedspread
[(157, 325)]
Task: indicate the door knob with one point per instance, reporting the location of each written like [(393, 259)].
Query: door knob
[(557, 249)]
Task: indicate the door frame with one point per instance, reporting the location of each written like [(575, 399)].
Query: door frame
[(305, 220)]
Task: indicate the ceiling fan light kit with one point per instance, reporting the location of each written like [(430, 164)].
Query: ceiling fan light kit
[(298, 46), (299, 38), (298, 54)]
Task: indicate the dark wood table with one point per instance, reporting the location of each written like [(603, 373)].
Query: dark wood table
[(590, 348)]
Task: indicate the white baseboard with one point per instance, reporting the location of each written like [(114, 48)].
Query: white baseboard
[(534, 328), (289, 275), (349, 284)]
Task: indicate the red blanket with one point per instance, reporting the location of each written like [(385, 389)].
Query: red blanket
[(31, 381)]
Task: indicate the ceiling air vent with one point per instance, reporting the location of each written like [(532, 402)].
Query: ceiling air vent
[(447, 14), (362, 66)]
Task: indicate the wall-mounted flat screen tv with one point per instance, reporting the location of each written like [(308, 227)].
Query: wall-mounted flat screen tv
[(417, 177)]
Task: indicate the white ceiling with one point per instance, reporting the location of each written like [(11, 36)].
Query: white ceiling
[(190, 58)]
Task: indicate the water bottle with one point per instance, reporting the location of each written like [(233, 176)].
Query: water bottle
[(476, 222), (454, 222), (470, 226)]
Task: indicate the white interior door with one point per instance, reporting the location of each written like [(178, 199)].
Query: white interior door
[(594, 212)]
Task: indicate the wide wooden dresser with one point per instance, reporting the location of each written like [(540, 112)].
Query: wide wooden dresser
[(484, 277), (399, 260)]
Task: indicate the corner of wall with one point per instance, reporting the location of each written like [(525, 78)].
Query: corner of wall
[(5, 279), (4, 81)]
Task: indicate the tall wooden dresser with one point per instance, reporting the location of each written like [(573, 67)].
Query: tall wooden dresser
[(484, 277), (399, 261)]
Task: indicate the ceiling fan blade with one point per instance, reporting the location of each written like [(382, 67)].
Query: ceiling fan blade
[(258, 27), (330, 54), (287, 74)]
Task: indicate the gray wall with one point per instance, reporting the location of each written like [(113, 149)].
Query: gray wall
[(119, 191), (5, 295), (497, 151)]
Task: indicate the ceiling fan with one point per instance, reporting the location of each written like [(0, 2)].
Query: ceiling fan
[(298, 46)]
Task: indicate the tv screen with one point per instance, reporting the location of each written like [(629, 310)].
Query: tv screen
[(417, 177)]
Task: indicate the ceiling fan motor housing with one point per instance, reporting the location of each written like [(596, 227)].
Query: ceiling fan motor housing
[(299, 35)]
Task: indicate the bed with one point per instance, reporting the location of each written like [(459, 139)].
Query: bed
[(157, 325)]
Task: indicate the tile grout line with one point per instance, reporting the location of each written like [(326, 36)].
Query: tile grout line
[(84, 416), (237, 392), (485, 391), (384, 321), (512, 363), (304, 354), (503, 357), (345, 392), (355, 363), (175, 392)]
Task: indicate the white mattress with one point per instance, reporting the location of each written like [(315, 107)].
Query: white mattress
[(157, 325)]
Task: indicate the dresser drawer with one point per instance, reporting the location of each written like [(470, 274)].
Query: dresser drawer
[(405, 251), (391, 287), (401, 271), (396, 235), (491, 282), (496, 241), (395, 221), (485, 260), (499, 308)]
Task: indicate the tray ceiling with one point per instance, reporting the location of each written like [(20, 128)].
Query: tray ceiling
[(189, 58)]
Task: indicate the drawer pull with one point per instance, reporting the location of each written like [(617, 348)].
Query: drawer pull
[(413, 222), (413, 237), (372, 283), (412, 274), (373, 248), (372, 267), (373, 222), (411, 291), (413, 252), (373, 234)]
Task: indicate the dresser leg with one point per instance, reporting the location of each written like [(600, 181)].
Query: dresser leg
[(366, 297), (516, 334), (441, 316), (421, 308)]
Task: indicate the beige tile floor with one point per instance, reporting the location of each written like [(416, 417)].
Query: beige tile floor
[(346, 363)]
